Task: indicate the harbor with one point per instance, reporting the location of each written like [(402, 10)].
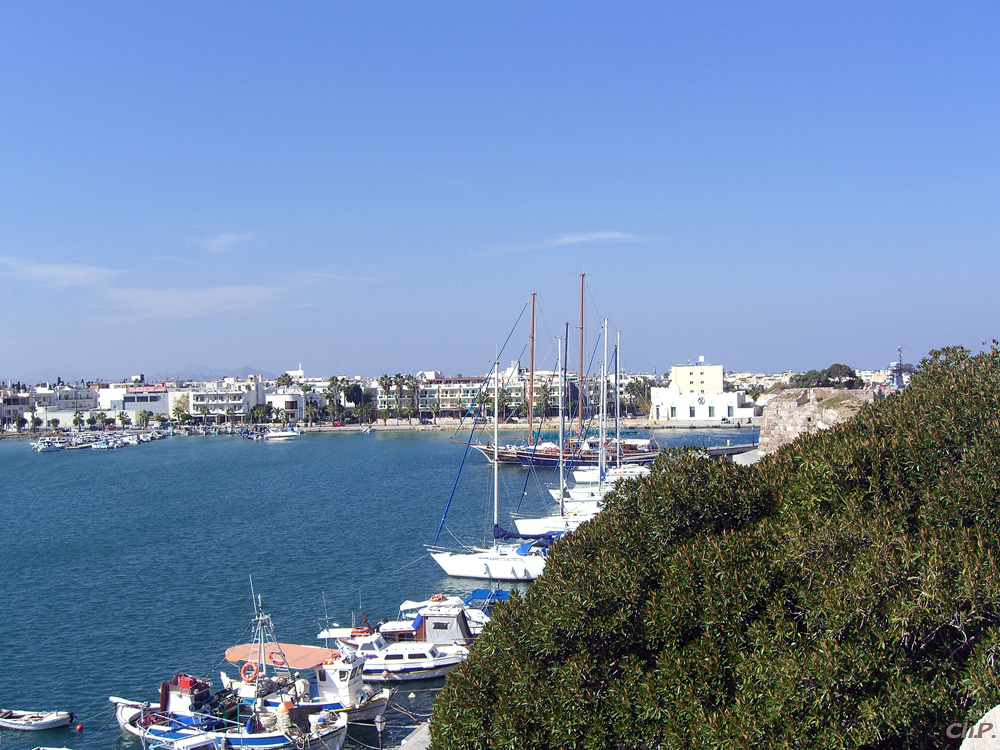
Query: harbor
[(129, 566)]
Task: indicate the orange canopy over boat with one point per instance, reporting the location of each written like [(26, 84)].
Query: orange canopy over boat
[(289, 655)]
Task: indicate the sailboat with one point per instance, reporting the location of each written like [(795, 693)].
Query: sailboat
[(502, 561)]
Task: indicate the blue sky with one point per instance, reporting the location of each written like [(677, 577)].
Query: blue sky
[(378, 187)]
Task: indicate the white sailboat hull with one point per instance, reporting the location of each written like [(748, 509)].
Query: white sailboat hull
[(568, 522), (500, 564)]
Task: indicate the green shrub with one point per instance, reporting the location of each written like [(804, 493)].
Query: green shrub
[(841, 593)]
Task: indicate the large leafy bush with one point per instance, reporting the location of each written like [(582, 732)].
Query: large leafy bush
[(841, 593)]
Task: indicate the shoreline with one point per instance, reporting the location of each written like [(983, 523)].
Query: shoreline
[(395, 426)]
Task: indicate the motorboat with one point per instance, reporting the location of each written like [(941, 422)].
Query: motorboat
[(285, 435), (34, 721), (49, 444), (401, 661)]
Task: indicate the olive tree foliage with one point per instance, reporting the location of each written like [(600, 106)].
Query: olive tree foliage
[(844, 592)]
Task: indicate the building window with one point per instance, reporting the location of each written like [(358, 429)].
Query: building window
[(691, 412), (729, 412), (673, 412), (711, 412)]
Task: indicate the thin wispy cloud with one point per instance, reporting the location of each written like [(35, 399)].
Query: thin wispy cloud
[(185, 304), (175, 259), (580, 238), (586, 237), (226, 242), (58, 275)]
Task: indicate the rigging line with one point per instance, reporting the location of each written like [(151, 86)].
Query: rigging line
[(454, 486), (413, 562), (468, 444)]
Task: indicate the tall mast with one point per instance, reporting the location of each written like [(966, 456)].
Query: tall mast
[(496, 448), (531, 382), (579, 400), (602, 456), (618, 401), (564, 342)]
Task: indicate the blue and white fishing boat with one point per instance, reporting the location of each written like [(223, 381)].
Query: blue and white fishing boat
[(190, 715), (336, 682)]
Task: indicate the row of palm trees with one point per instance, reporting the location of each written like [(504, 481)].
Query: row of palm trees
[(341, 391)]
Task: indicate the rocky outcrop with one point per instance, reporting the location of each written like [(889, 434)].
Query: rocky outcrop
[(795, 411)]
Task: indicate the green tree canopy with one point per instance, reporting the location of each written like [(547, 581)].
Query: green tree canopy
[(843, 592)]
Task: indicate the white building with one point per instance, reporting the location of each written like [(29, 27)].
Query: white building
[(290, 401), (226, 399), (670, 405), (696, 394)]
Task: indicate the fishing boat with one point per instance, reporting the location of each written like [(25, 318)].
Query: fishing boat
[(34, 721), (336, 682), (190, 715)]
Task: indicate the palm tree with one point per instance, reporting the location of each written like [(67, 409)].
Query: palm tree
[(310, 410), (279, 415), (203, 411), (385, 383), (103, 419), (435, 407), (283, 380), (32, 411), (332, 395), (125, 419), (407, 412), (78, 420), (399, 381), (144, 417), (544, 395), (366, 412), (413, 386), (504, 402)]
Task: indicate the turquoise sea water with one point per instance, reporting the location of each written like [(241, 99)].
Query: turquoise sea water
[(119, 568)]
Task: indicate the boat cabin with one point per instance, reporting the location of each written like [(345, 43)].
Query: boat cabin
[(186, 694), (436, 621)]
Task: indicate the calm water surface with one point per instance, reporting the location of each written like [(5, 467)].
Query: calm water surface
[(119, 568)]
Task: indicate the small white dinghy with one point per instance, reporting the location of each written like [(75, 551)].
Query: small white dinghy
[(34, 721)]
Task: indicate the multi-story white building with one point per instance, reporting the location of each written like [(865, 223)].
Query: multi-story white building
[(227, 398), (696, 394), (290, 401)]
